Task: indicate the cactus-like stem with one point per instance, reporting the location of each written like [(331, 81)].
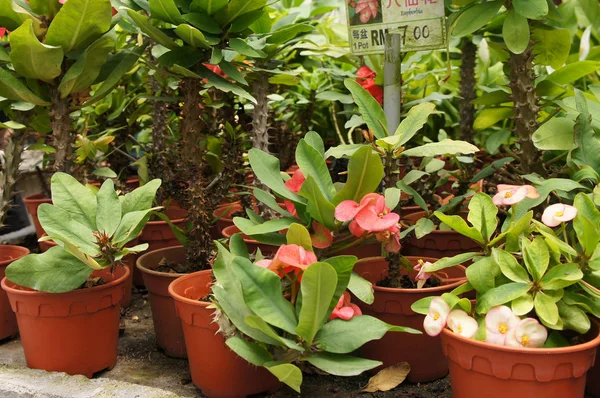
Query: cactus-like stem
[(522, 79), (467, 89), (260, 116), (9, 172), (62, 135), (191, 124)]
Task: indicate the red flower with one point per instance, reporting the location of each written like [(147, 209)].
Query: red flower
[(295, 183), (345, 309), (364, 73), (322, 238), (216, 69), (2, 31), (367, 9), (366, 78)]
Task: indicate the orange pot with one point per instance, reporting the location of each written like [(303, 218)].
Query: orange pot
[(215, 369), (482, 370), (8, 321), (32, 203), (267, 250), (422, 352), (75, 332), (167, 328), (593, 375), (128, 261), (158, 234), (223, 218), (437, 244)]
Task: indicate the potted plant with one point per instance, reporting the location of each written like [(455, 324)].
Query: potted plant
[(74, 290), (536, 286), (281, 314)]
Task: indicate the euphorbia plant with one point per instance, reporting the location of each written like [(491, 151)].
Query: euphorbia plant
[(91, 230), (532, 278), (292, 310)]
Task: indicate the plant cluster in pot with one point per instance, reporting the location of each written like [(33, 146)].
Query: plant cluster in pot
[(528, 332), (280, 315), (74, 290)]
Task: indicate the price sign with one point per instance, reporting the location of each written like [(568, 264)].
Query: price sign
[(421, 24)]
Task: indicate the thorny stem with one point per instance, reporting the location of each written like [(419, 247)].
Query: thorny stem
[(61, 131), (467, 89), (9, 172), (260, 119)]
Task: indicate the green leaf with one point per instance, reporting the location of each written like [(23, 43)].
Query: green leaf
[(13, 15), (515, 31), (314, 140), (480, 275), (257, 322), (312, 164), (475, 17), (561, 276), (165, 10), (522, 305), (131, 225), (343, 266), (211, 7), (203, 22), (588, 146), (108, 215), (509, 266), (458, 224), (361, 288), (238, 246), (413, 122), (365, 172), (289, 32), (224, 85), (48, 8), (319, 207), (555, 134), (32, 59), (551, 46), (546, 308), (192, 36), (297, 234), (59, 225), (232, 71), (500, 295), (448, 262), (268, 199), (274, 225), (237, 8), (370, 110), (245, 225), (443, 147), (79, 23), (482, 214), (157, 35), (343, 337), (532, 9), (318, 288), (55, 271), (490, 116), (341, 364), (251, 352), (105, 172), (243, 48), (572, 72), (424, 227), (13, 89), (536, 257), (574, 318), (286, 373), (141, 198), (79, 201), (262, 294)]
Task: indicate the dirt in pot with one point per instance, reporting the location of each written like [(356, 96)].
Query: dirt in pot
[(92, 282), (173, 267), (407, 283)]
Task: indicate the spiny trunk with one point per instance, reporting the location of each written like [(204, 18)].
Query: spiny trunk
[(467, 89), (159, 162), (9, 172), (260, 116), (191, 125), (522, 78), (62, 127)]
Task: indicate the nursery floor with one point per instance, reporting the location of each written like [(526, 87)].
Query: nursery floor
[(140, 362)]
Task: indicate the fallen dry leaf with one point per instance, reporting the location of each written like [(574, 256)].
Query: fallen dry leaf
[(388, 378)]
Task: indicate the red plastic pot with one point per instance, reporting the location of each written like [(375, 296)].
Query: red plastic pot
[(158, 235), (437, 244), (8, 321), (223, 216), (215, 369), (363, 251), (75, 332), (128, 261), (422, 352), (482, 370), (167, 328), (32, 203), (267, 250)]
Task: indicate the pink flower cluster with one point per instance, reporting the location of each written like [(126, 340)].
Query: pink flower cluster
[(371, 215), (344, 309), (289, 258), (366, 8), (504, 328)]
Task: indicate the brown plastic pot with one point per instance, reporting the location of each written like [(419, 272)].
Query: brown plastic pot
[(158, 235), (128, 261), (267, 250), (223, 216), (167, 328), (8, 321), (482, 370), (32, 203), (422, 352), (437, 244), (363, 251), (75, 332), (215, 369)]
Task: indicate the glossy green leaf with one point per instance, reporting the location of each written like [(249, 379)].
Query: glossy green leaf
[(490, 116), (572, 72), (561, 276), (268, 199), (361, 288), (312, 164), (141, 198), (482, 215), (500, 295), (297, 234), (59, 225), (343, 266), (365, 172), (14, 89), (73, 197), (424, 227), (253, 353), (536, 257), (532, 9), (509, 266), (257, 322), (443, 147), (318, 206), (341, 364), (545, 308), (237, 8), (108, 214), (414, 121), (286, 373), (157, 35), (209, 6), (370, 110), (203, 22), (475, 17), (165, 10), (523, 305), (555, 134), (448, 262), (574, 318), (192, 36), (480, 275), (131, 226), (551, 46), (515, 31), (458, 224)]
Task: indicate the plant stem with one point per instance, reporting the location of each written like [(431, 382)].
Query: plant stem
[(62, 127), (9, 172), (260, 115), (467, 89)]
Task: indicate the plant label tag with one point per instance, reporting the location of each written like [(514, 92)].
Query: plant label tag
[(420, 23)]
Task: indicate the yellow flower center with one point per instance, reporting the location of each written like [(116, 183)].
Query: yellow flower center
[(436, 316), (503, 328), (524, 340), (459, 329), (508, 194), (559, 214)]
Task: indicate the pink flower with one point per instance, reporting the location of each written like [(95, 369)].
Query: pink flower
[(422, 276), (528, 333), (356, 230), (512, 194), (345, 309), (290, 257), (367, 9), (322, 237), (558, 213), (265, 263), (500, 322), (462, 324), (290, 207), (348, 209), (377, 217), (393, 245), (436, 319), (295, 183), (62, 1)]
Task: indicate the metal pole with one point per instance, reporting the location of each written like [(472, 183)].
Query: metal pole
[(392, 89)]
